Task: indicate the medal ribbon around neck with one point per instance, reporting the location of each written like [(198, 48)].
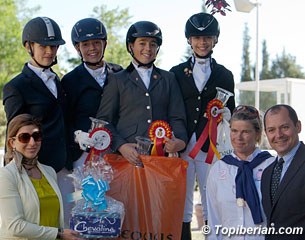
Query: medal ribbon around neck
[(210, 131), (156, 132), (103, 138)]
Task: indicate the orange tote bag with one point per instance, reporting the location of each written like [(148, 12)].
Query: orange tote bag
[(153, 196)]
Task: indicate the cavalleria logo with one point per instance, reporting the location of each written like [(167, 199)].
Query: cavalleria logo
[(135, 235)]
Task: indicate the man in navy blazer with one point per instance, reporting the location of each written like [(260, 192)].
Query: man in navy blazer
[(287, 210)]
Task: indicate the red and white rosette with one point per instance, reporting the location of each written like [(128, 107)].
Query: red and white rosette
[(157, 132), (102, 138), (210, 131)]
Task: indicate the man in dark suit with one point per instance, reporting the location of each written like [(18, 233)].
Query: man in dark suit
[(141, 94), (37, 90), (283, 188)]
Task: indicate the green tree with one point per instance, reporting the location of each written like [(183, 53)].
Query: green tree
[(116, 21), (12, 54), (14, 14), (265, 72), (266, 99), (285, 66), (246, 97)]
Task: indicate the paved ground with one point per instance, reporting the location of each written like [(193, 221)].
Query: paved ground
[(196, 232), (197, 235)]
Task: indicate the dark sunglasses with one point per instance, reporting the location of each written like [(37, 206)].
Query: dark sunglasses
[(26, 137), (249, 110)]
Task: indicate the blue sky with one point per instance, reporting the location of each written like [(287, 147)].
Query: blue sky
[(280, 23)]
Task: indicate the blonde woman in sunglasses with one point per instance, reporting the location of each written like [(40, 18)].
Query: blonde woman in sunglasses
[(30, 202)]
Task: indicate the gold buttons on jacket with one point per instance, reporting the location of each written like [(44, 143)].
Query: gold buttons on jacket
[(147, 94), (149, 120), (147, 107)]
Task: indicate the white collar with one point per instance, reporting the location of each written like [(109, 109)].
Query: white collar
[(95, 73), (44, 74)]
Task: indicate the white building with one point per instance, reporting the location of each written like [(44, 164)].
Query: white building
[(289, 91)]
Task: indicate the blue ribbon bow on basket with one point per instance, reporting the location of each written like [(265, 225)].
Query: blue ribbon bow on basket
[(94, 193)]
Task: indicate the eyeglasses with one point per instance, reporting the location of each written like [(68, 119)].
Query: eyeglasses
[(249, 110), (26, 137)]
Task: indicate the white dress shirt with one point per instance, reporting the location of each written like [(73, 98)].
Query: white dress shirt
[(47, 76), (221, 199), (201, 72), (98, 74), (145, 74), (288, 158)]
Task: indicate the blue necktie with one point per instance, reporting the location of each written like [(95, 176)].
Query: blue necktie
[(276, 177)]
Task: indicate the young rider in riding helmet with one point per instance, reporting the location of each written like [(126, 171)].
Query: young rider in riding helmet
[(142, 93), (84, 87), (37, 90), (198, 78)]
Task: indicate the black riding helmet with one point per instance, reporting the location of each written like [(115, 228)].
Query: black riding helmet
[(89, 29), (86, 29), (143, 29), (202, 24), (42, 30)]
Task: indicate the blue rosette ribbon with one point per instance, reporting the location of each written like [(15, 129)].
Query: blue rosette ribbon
[(94, 193)]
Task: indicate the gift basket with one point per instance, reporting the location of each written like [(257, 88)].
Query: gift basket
[(96, 215)]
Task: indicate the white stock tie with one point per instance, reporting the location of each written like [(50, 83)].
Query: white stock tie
[(48, 78), (201, 73)]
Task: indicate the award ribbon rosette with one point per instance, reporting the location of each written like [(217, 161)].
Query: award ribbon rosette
[(102, 138), (210, 130), (96, 215), (156, 132)]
